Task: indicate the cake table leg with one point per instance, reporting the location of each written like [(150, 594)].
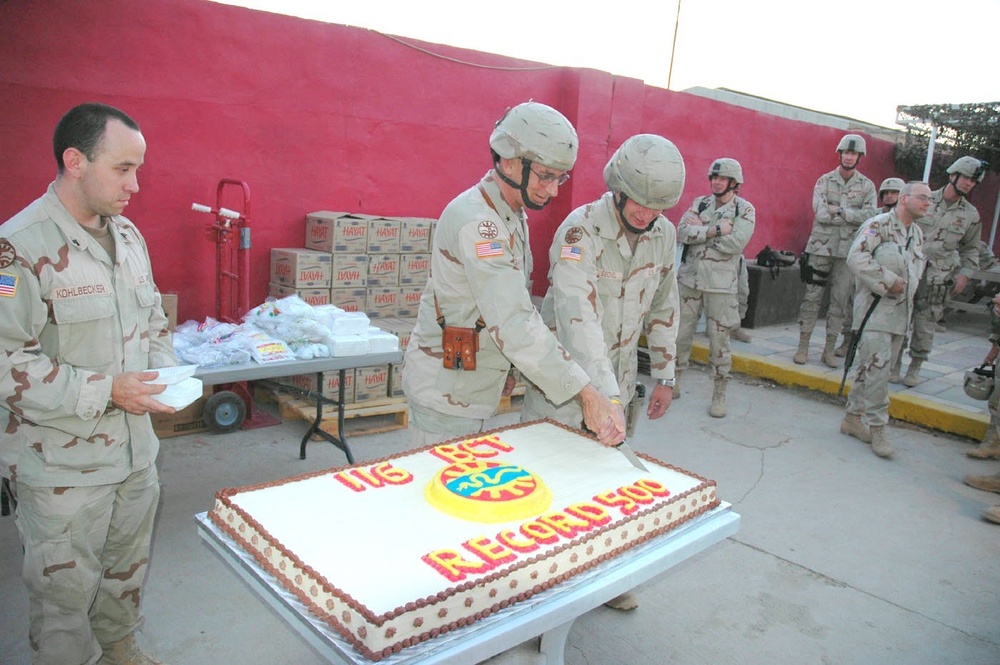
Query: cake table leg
[(553, 644)]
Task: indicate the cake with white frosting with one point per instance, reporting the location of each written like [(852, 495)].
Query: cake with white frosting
[(397, 551)]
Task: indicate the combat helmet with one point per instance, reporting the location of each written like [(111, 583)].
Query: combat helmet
[(727, 168), (890, 256), (535, 133), (852, 142), (891, 185), (968, 166), (649, 170), (979, 382)]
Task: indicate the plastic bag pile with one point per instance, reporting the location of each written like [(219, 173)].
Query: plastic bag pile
[(281, 330)]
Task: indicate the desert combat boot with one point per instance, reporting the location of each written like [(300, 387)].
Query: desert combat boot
[(880, 444), (912, 377), (802, 353), (829, 356), (985, 483), (845, 346), (125, 652), (989, 448), (718, 408), (852, 425)]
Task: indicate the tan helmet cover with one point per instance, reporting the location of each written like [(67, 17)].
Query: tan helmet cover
[(852, 142), (891, 185), (538, 133), (649, 170), (979, 382), (968, 166), (727, 168)]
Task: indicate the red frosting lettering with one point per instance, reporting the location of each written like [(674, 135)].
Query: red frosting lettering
[(511, 540), (451, 564), (566, 525), (588, 511), (540, 532), (613, 499), (490, 552)]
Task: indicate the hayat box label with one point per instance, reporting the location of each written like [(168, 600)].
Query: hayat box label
[(301, 267)]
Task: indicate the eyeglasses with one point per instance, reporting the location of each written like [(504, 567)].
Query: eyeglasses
[(547, 179)]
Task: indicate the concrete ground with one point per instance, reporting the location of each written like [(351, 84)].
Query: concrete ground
[(842, 557)]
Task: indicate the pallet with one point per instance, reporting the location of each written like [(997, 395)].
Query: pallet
[(384, 415), (512, 403)]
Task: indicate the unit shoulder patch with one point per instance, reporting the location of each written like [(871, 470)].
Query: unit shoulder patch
[(574, 234), (7, 253), (488, 230)]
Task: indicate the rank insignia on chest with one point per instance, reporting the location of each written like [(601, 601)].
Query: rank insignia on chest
[(570, 252), (8, 285), (489, 248)]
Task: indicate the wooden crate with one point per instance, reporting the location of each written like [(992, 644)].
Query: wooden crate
[(384, 415)]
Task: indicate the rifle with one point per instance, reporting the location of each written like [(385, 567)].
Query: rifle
[(853, 348)]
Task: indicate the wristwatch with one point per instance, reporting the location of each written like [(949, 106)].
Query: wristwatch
[(669, 383), (718, 230)]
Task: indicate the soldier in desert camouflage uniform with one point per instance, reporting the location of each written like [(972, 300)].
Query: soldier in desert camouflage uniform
[(951, 241), (480, 271), (989, 448), (887, 258), (842, 200), (80, 325), (612, 278), (715, 231)]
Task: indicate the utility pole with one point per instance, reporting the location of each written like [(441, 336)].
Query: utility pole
[(673, 47)]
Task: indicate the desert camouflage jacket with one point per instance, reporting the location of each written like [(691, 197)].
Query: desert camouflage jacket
[(832, 232), (951, 238), (69, 320), (884, 251), (603, 296), (480, 268), (712, 265)]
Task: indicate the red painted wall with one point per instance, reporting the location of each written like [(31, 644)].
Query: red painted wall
[(317, 116)]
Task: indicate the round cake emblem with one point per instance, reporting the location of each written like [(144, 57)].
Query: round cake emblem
[(490, 492)]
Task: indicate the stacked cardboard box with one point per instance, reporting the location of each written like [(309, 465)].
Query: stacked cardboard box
[(379, 264)]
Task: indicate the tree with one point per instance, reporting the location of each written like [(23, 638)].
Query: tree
[(963, 129)]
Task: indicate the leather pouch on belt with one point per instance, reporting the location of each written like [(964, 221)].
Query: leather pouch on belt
[(460, 347)]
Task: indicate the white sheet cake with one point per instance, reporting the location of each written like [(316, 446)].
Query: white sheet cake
[(377, 552)]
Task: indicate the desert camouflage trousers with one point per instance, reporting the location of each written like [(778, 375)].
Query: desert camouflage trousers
[(928, 309), (721, 315), (429, 427), (840, 313), (86, 551), (869, 395)]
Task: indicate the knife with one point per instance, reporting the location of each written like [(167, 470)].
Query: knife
[(630, 455)]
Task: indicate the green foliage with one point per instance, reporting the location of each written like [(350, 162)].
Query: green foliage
[(963, 129)]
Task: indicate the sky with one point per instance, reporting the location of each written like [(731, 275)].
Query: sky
[(855, 58)]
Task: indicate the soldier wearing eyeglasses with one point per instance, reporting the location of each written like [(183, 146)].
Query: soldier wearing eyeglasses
[(887, 258), (476, 322)]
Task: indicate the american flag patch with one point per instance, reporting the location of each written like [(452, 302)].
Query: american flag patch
[(488, 249), (570, 252), (8, 285)]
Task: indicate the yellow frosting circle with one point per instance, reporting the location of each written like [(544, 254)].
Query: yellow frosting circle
[(488, 492)]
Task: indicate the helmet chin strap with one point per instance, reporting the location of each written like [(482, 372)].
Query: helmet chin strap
[(849, 168), (521, 186), (731, 187), (953, 179), (620, 199)]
